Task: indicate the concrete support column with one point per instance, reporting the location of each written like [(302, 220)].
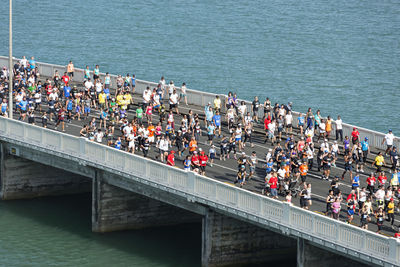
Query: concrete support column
[(312, 256), (116, 209), (227, 241), (22, 178)]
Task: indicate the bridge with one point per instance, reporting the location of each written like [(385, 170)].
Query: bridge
[(129, 191)]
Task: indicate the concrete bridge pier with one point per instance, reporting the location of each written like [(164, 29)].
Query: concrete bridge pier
[(116, 209), (21, 176), (309, 255), (230, 242)]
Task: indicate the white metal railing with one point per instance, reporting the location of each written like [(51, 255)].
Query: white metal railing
[(241, 202), (200, 98)]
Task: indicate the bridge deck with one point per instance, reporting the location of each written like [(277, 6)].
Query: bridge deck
[(226, 170)]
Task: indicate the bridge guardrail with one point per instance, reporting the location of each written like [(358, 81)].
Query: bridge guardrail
[(254, 207), (200, 98)]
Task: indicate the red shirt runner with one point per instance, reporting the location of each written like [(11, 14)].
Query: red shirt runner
[(171, 159), (371, 181), (273, 181), (65, 79), (267, 121), (203, 160), (195, 160), (382, 179), (355, 134)]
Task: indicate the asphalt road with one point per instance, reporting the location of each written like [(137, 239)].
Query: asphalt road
[(225, 171)]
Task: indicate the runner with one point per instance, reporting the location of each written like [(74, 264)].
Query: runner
[(70, 69), (379, 162), (389, 137), (379, 215)]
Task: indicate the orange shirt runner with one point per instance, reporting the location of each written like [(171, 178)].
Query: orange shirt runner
[(303, 169), (151, 130), (192, 145)]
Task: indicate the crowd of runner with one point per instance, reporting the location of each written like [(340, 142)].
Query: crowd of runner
[(113, 116)]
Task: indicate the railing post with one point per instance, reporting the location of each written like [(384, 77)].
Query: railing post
[(82, 143), (286, 214), (61, 141), (147, 172), (393, 249), (7, 127), (190, 181), (364, 241), (42, 140)]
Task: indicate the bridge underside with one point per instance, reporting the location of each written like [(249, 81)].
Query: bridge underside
[(35, 176)]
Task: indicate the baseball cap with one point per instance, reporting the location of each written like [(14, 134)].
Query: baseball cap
[(390, 130), (172, 152)]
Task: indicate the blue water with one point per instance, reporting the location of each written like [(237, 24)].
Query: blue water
[(342, 57)]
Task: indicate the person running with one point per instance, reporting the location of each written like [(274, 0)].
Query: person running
[(380, 217), (339, 128), (382, 179), (371, 181), (348, 167), (329, 201), (300, 123), (379, 162), (326, 164), (171, 158), (211, 154), (61, 117), (351, 208), (388, 139), (335, 186), (203, 158), (187, 163), (96, 73), (379, 196), (217, 122), (241, 176), (355, 136), (252, 164), (390, 212), (173, 101), (223, 144), (364, 218), (303, 172), (355, 185), (211, 132), (394, 158), (273, 185), (195, 161), (70, 69), (232, 146), (303, 197), (336, 208), (255, 107), (183, 93)]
